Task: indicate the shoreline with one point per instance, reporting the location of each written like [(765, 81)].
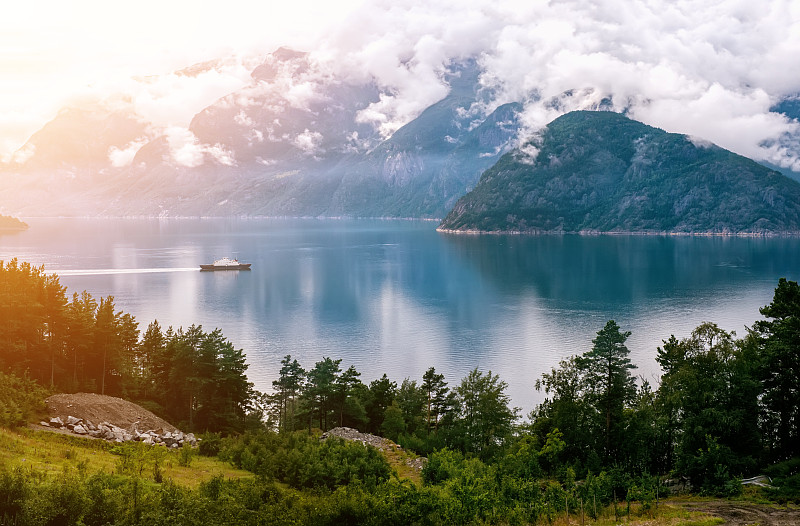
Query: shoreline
[(589, 233)]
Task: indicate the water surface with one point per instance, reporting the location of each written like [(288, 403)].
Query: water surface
[(398, 297)]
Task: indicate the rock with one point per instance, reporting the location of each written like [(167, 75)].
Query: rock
[(71, 420), (43, 423), (57, 421)]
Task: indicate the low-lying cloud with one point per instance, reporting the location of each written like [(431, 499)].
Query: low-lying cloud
[(708, 69), (711, 70)]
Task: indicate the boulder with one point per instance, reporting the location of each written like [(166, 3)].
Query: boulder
[(71, 420)]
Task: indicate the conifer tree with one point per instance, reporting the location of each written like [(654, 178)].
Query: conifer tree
[(609, 381)]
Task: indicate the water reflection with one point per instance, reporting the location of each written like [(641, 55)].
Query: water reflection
[(397, 297)]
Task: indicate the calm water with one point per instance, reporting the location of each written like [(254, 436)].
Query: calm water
[(397, 297)]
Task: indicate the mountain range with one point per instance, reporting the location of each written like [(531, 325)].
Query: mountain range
[(260, 151), (295, 142)]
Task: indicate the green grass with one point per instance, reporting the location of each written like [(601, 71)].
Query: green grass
[(53, 453)]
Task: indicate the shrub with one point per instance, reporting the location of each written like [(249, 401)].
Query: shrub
[(21, 399)]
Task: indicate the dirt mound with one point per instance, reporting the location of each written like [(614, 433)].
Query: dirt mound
[(101, 408)]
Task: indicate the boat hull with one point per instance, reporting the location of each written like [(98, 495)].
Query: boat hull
[(240, 266)]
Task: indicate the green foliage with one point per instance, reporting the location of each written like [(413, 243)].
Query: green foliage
[(777, 340), (20, 400), (210, 444), (602, 172), (484, 418), (185, 456), (304, 461), (193, 376), (709, 382)]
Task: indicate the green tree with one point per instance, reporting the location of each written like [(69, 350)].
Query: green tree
[(712, 379), (777, 340), (565, 409), (381, 394), (349, 406), (287, 388), (393, 422), (610, 385), (485, 418), (320, 392), (411, 399), (436, 394)]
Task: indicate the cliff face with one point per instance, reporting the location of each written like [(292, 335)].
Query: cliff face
[(602, 172)]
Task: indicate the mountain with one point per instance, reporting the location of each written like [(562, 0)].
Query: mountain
[(292, 142), (8, 223), (602, 172)]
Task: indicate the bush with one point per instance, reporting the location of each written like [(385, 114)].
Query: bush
[(304, 461), (21, 399), (210, 444)]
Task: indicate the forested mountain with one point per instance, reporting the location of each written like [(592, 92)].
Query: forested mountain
[(603, 172)]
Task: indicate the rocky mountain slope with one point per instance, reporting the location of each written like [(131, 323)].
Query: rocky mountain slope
[(292, 142), (602, 172)]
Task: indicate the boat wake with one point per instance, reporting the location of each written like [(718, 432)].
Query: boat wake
[(107, 271)]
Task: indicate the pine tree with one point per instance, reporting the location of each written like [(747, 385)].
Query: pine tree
[(608, 379), (778, 341)]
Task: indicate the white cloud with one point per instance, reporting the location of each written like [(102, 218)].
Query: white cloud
[(705, 69), (186, 150), (308, 141), (124, 156)]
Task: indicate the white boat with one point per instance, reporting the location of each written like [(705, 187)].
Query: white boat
[(226, 264)]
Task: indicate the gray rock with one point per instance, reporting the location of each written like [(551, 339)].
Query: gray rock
[(57, 421), (71, 420), (43, 423)]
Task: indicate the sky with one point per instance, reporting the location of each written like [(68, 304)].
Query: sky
[(710, 69)]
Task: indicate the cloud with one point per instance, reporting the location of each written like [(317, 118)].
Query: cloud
[(706, 69), (124, 157), (186, 150), (308, 141)]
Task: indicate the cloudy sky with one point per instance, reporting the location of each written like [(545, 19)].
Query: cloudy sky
[(710, 69)]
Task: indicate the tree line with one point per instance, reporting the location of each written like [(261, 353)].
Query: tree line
[(195, 378), (725, 407)]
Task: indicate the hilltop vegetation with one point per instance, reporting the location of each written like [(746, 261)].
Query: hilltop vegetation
[(602, 172), (725, 408)]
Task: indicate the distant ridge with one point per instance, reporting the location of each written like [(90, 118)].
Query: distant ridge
[(600, 172), (12, 223)]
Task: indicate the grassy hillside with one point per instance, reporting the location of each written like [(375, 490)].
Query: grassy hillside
[(48, 454)]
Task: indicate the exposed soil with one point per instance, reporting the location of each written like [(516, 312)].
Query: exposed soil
[(101, 408), (745, 513)]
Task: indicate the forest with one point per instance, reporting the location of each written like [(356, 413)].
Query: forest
[(726, 407)]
